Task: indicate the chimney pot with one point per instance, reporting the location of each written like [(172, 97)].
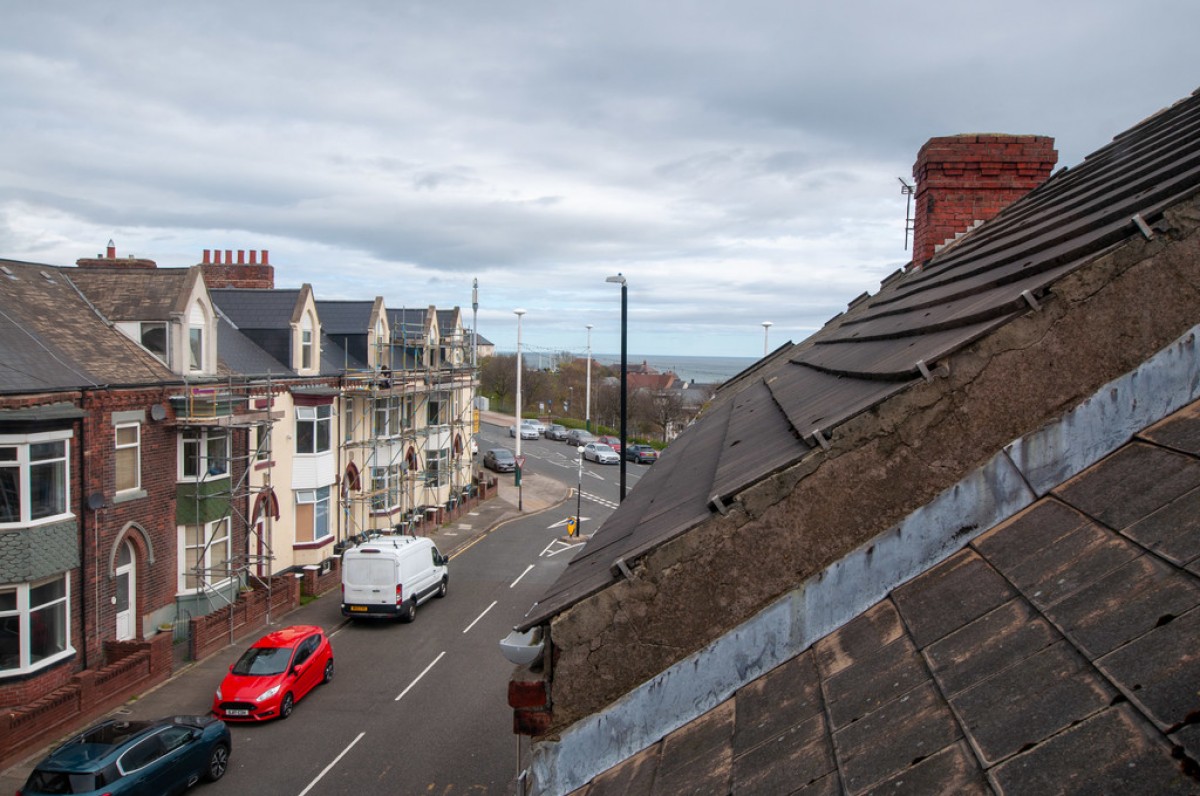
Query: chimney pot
[(205, 260), (229, 256), (264, 257), (216, 256), (112, 250), (241, 256), (253, 257)]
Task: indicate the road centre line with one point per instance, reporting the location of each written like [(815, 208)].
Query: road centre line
[(332, 764), (523, 574), (485, 610), (418, 678)]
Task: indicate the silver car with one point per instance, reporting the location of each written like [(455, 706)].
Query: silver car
[(527, 432), (600, 453)]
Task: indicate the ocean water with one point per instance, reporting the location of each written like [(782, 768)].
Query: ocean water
[(701, 369)]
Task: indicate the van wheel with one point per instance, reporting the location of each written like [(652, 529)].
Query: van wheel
[(443, 587), (408, 611)]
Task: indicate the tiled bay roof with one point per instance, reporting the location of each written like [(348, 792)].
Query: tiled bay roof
[(771, 416), (1055, 653)]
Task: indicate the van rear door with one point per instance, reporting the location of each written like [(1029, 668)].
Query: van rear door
[(369, 580)]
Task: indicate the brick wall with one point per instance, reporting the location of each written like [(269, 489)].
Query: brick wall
[(132, 668), (248, 613), (967, 178), (261, 277)]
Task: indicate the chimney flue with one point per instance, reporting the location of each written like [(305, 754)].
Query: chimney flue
[(241, 256), (205, 260), (253, 257), (112, 250), (264, 257)]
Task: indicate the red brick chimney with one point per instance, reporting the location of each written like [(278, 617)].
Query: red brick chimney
[(110, 260), (223, 272), (962, 179)]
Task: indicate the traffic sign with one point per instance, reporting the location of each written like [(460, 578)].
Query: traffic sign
[(521, 462)]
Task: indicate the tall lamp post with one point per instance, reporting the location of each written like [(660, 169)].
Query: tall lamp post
[(620, 280), (517, 427), (587, 404), (474, 368), (766, 328), (579, 495)]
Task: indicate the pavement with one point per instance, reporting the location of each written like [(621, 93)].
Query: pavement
[(189, 689)]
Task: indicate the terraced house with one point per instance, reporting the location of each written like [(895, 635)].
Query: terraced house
[(172, 436), (948, 544)]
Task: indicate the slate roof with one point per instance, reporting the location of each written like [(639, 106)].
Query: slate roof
[(241, 355), (1055, 653), (345, 317), (52, 339), (136, 294), (254, 309), (774, 414)]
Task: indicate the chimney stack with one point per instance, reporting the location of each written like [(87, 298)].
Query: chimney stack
[(221, 271), (112, 250), (109, 260), (962, 179)]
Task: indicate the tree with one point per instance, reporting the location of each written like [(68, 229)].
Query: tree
[(498, 377), (664, 411)]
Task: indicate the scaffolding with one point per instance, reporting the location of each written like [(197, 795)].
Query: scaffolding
[(224, 488), (407, 473)]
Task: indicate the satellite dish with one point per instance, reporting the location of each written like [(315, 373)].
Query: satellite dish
[(158, 412), (95, 501)]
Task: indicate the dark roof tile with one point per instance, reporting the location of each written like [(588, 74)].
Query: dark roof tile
[(1160, 670), (952, 770), (994, 641), (1126, 487), (939, 602), (777, 702), (1073, 561), (885, 675), (799, 755), (858, 639), (1173, 531)]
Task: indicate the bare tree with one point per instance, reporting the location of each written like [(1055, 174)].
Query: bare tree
[(498, 377), (665, 411)]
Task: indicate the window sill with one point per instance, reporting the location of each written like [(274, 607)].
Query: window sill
[(318, 544), (132, 494), (38, 667)]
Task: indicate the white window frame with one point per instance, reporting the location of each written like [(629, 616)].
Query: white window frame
[(317, 416), (204, 458), (385, 488), (437, 467), (23, 464), (321, 496), (136, 446), (306, 342), (20, 611), (218, 531)]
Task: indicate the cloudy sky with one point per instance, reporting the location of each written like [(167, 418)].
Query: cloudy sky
[(736, 161)]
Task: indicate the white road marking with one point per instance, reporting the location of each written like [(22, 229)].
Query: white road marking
[(334, 763), (485, 610), (523, 574), (419, 676)]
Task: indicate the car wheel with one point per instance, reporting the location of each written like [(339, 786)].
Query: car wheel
[(218, 761), (285, 707), (328, 671), (408, 611), (443, 587)]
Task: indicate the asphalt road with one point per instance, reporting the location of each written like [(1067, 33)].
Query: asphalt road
[(418, 708)]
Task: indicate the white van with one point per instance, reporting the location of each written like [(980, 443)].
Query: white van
[(389, 576)]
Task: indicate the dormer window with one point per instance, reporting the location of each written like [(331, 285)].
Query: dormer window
[(197, 324), (153, 337), (306, 342)]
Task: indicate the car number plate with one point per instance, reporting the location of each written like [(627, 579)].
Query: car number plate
[(237, 712), (358, 608)]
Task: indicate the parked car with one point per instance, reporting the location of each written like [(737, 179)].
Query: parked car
[(135, 757), (273, 675), (601, 453), (474, 447), (577, 437), (612, 442), (642, 454), (538, 425), (555, 431), (500, 459), (527, 431)]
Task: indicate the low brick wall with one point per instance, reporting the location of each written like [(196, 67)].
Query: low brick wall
[(217, 630), (132, 668), (315, 582)]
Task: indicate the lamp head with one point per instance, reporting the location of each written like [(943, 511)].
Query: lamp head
[(518, 312), (618, 279)]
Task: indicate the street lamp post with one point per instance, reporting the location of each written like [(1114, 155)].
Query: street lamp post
[(579, 496), (620, 280), (517, 428), (474, 369), (587, 404), (766, 328)]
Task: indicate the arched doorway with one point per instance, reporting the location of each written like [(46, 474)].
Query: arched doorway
[(126, 577)]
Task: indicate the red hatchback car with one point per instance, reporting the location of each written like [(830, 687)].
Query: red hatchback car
[(612, 442), (274, 674)]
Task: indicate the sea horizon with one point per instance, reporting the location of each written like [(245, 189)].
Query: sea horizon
[(709, 370)]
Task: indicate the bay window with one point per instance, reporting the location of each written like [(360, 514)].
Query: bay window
[(312, 428), (33, 478), (312, 514), (205, 554), (33, 624)]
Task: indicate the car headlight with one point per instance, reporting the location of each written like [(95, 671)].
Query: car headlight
[(270, 692), (219, 692)]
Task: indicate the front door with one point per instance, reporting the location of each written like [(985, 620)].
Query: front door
[(126, 593)]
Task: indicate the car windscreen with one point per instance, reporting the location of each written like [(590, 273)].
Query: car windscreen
[(502, 455), (263, 661), (60, 782)]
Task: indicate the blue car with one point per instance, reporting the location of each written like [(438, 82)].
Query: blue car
[(165, 756)]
